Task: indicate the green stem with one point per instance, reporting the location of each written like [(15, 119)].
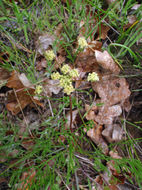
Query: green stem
[(71, 114)]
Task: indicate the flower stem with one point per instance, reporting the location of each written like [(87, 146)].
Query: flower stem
[(71, 114)]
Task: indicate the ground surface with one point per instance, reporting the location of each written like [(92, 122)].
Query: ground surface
[(72, 132)]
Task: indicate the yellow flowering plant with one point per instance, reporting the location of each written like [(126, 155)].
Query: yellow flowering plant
[(55, 76), (65, 69), (82, 42), (93, 77), (38, 89), (50, 55), (66, 78)]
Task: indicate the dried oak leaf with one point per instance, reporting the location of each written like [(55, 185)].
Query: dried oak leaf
[(79, 80), (86, 61), (51, 86), (44, 42), (112, 91), (95, 45), (41, 64), (102, 31), (106, 61), (114, 154), (4, 74), (22, 94), (103, 114), (131, 20), (27, 179), (113, 133), (96, 136)]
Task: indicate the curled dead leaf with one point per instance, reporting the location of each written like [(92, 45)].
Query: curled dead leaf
[(51, 86), (22, 94), (74, 115), (113, 133), (106, 61), (96, 136), (44, 42)]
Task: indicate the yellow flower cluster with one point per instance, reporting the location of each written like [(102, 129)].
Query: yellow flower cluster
[(74, 73), (38, 89), (66, 79), (69, 89), (49, 54), (82, 42), (56, 76), (66, 83), (65, 69), (93, 77)]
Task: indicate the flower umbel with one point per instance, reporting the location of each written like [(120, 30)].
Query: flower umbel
[(55, 76), (93, 77), (49, 54), (65, 81), (69, 89), (38, 89), (74, 73), (82, 42), (66, 78), (65, 69)]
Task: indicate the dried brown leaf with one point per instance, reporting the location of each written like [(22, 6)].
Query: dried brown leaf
[(95, 45), (41, 64), (87, 62), (44, 42), (74, 115), (114, 154), (110, 1), (106, 61), (22, 94), (103, 114), (28, 144), (51, 86), (4, 74), (96, 136), (112, 91), (102, 31), (79, 80), (136, 6), (113, 133), (131, 20), (27, 179)]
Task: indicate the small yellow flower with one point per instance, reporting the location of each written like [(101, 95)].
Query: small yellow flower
[(82, 42), (65, 81), (49, 54), (65, 69), (38, 89), (55, 76), (69, 89), (93, 77), (74, 73)]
